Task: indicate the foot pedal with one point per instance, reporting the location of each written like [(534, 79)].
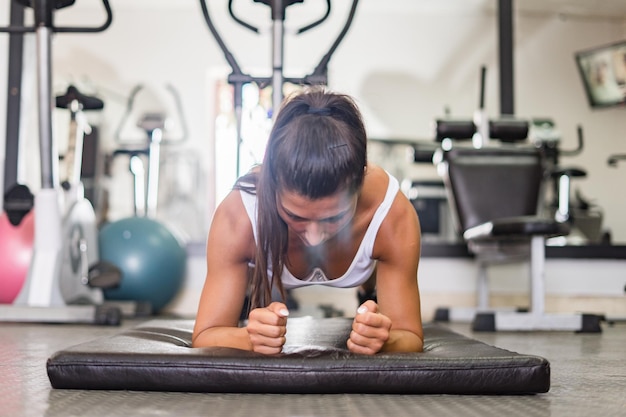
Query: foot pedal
[(104, 275)]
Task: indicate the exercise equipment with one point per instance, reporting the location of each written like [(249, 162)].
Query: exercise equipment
[(584, 217), (16, 219), (495, 194), (481, 129), (64, 279), (613, 159), (152, 259), (81, 225), (237, 78), (154, 128), (314, 360)]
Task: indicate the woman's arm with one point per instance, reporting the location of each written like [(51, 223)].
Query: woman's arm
[(230, 247), (394, 324)]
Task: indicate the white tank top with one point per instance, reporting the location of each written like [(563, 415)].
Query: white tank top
[(362, 266)]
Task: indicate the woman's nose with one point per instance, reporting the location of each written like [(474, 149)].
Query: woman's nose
[(314, 234)]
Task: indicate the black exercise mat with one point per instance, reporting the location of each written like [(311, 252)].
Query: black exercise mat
[(156, 356)]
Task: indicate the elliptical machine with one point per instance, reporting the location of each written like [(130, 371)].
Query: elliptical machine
[(65, 280), (154, 125), (237, 78)]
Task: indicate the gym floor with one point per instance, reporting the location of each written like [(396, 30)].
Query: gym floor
[(588, 379)]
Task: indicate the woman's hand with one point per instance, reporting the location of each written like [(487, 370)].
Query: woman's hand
[(267, 328), (370, 330)]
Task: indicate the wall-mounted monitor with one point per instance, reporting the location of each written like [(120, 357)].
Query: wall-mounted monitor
[(603, 72)]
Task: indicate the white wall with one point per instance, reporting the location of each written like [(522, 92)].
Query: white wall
[(404, 64)]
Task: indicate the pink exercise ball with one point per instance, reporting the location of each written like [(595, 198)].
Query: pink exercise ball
[(16, 250)]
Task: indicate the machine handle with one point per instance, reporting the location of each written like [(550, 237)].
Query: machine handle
[(278, 14), (612, 161), (319, 74), (102, 28), (61, 29)]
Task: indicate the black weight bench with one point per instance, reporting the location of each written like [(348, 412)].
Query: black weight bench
[(495, 196)]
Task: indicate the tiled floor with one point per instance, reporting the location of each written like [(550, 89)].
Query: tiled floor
[(588, 379)]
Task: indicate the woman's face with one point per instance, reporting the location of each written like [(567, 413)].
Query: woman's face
[(315, 221)]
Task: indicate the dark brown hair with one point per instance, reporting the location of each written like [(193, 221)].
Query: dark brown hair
[(317, 147)]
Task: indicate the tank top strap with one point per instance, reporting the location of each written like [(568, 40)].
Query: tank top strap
[(381, 213), (250, 204)]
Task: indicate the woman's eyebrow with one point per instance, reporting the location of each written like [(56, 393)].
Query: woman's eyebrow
[(336, 216), (295, 216)]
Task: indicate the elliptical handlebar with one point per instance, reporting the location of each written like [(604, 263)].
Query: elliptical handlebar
[(240, 21), (237, 78), (230, 58), (321, 71), (103, 27), (317, 22), (319, 74), (43, 16), (278, 14)]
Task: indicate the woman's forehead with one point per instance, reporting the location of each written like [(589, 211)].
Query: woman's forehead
[(293, 201)]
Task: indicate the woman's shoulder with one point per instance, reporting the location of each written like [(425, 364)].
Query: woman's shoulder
[(232, 226), (231, 211), (376, 188), (375, 183), (373, 192)]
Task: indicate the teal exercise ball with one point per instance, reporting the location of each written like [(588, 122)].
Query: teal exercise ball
[(151, 258)]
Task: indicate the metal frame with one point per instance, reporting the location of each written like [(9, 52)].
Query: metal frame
[(14, 99)]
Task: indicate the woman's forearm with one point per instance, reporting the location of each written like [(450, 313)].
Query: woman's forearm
[(233, 337), (403, 341)]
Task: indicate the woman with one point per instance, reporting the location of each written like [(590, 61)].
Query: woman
[(315, 212)]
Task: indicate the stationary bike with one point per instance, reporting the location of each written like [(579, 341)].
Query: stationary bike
[(81, 252), (65, 281)]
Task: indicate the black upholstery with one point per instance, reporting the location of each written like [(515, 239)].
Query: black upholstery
[(156, 356), (488, 184), (495, 193)]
